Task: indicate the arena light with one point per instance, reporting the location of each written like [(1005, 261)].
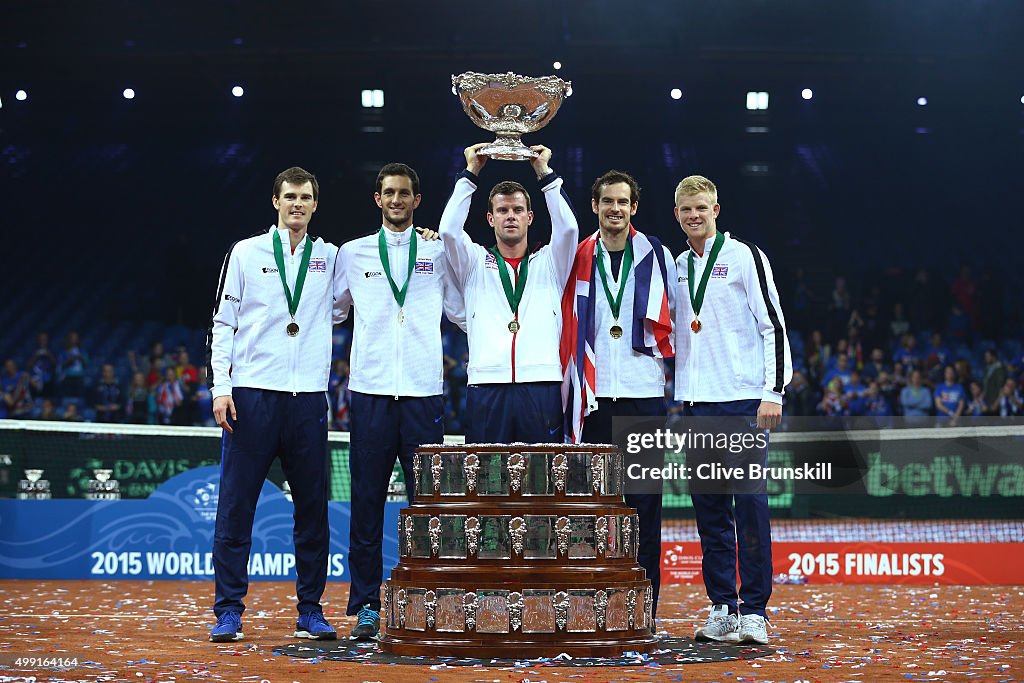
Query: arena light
[(128, 94), (757, 100), (807, 93), (238, 91), (1022, 99), (922, 101), (556, 65), (676, 94), (372, 99)]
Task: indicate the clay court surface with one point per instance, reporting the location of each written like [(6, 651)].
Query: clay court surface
[(157, 631)]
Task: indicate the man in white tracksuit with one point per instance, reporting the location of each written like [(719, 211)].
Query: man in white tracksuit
[(513, 301), (269, 357), (732, 361), (398, 283)]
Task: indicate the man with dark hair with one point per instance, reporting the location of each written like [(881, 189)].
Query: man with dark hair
[(616, 331), (512, 299), (269, 349), (398, 282)]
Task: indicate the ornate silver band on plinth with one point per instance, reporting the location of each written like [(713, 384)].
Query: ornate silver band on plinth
[(514, 473), (530, 610), (519, 537)]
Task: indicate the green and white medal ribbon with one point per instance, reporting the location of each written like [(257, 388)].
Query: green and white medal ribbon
[(300, 278), (697, 301), (514, 297), (382, 247)]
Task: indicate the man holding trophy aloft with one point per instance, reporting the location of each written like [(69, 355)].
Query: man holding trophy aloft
[(512, 303)]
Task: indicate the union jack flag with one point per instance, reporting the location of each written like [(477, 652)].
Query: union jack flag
[(651, 323), (720, 271), (317, 265), (423, 267)]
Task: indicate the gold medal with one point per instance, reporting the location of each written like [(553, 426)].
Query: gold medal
[(513, 326), (615, 331), (696, 326), (292, 329)]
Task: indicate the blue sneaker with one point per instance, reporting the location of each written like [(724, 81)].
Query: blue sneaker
[(368, 624), (228, 628), (315, 627)]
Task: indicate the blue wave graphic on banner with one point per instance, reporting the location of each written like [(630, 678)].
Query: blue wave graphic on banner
[(166, 536)]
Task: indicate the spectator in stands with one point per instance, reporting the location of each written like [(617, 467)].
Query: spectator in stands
[(976, 406), (839, 305), (187, 373), (950, 397), (71, 366), (994, 378), (1010, 403), (841, 371), (48, 411), (152, 365), (963, 290), (937, 353), (799, 400), (71, 413), (202, 402), (853, 390), (964, 373), (907, 353), (108, 400), (916, 399), (958, 327), (338, 395), (876, 365), (831, 403), (898, 323), (15, 392), (888, 389), (816, 355), (42, 367), (874, 402), (137, 409), (169, 397)]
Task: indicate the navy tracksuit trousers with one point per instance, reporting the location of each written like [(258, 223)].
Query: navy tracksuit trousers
[(273, 424), (530, 412), (383, 429), (734, 525), (597, 428)]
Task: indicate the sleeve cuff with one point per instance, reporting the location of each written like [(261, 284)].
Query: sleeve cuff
[(471, 177), (544, 181), (219, 391), (771, 396)]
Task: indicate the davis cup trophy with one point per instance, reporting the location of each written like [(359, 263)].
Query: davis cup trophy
[(509, 104)]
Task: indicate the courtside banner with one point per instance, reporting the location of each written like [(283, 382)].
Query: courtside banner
[(882, 563), (168, 535)]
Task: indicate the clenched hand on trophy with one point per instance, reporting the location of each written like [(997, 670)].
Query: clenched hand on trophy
[(509, 105), (478, 154)]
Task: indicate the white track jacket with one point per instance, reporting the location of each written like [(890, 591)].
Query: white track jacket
[(742, 351), (496, 355)]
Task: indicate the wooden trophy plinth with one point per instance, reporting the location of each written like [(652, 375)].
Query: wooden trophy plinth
[(516, 550)]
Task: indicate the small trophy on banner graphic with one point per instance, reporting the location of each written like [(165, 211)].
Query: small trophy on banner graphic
[(509, 105), (102, 487), (33, 486)]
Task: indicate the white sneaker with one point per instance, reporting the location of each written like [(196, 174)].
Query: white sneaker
[(720, 626), (753, 629)]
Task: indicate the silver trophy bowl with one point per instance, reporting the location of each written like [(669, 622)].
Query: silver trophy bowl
[(509, 105)]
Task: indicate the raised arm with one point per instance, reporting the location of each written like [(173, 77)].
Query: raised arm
[(458, 246), (565, 231)]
